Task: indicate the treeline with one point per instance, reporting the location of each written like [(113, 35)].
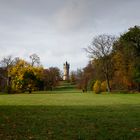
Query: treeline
[(115, 63), (18, 75)]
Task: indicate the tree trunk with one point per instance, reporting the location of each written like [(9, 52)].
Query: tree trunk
[(139, 87), (9, 85), (108, 84)]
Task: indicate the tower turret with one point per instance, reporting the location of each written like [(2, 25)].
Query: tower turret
[(66, 67)]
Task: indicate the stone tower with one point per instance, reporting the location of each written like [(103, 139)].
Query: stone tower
[(66, 67)]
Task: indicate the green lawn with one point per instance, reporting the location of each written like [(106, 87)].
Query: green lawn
[(69, 116)]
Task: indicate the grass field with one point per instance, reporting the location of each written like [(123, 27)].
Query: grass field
[(69, 116)]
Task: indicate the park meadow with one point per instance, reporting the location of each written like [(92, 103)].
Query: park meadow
[(67, 115)]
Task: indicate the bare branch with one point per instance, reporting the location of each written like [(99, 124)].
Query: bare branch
[(35, 60)]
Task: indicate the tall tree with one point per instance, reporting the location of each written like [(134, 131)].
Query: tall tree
[(127, 56), (100, 49)]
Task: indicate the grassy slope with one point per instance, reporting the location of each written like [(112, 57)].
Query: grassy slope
[(69, 116), (66, 86)]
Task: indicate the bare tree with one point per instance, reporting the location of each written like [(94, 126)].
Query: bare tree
[(35, 60), (100, 49), (7, 62)]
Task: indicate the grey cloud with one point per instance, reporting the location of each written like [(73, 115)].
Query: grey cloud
[(57, 30)]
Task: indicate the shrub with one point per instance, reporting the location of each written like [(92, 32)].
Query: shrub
[(97, 87), (103, 86)]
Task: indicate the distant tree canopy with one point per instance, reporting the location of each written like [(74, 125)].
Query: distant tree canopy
[(28, 76), (116, 61)]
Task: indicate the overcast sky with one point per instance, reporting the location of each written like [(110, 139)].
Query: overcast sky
[(58, 30)]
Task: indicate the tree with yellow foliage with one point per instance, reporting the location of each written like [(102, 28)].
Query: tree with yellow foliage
[(97, 87), (25, 76)]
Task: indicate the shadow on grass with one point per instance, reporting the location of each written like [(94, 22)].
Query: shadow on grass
[(46, 92), (69, 122), (58, 92)]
